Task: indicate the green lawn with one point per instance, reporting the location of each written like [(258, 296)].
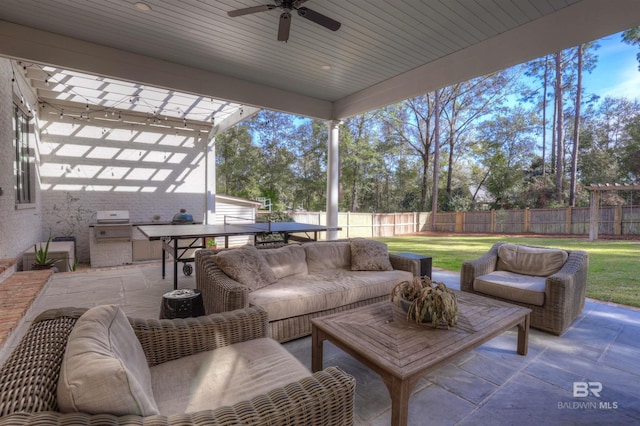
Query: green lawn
[(614, 266)]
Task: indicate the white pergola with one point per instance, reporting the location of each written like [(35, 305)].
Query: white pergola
[(384, 52)]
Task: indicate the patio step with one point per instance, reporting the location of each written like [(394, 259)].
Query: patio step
[(17, 293)]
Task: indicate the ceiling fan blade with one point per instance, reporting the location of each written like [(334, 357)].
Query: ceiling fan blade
[(248, 10), (283, 28), (319, 18)]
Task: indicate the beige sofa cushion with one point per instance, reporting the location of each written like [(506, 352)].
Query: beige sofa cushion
[(104, 369), (246, 266), (322, 256), (511, 286), (224, 376), (305, 294), (287, 260), (369, 255), (536, 261)]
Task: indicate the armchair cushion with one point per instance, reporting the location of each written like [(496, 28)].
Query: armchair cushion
[(246, 266), (104, 369), (511, 286), (228, 375), (536, 261), (369, 255), (286, 261)]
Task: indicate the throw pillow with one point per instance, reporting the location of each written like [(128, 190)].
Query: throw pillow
[(288, 260), (104, 369), (369, 255), (536, 261), (246, 266)]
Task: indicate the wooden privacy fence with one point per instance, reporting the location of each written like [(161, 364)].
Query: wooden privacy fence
[(613, 220)]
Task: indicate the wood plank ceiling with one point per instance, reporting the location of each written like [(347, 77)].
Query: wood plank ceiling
[(384, 51)]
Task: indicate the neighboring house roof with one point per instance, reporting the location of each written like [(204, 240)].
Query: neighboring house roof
[(483, 195), (221, 198)]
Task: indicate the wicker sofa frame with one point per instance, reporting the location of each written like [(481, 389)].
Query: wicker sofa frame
[(565, 290), (29, 378), (220, 293)]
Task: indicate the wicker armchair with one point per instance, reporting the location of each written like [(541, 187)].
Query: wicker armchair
[(29, 378), (564, 291)]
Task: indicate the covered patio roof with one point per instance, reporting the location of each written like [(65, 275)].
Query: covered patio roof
[(383, 52)]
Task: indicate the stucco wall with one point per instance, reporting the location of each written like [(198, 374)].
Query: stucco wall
[(19, 228)]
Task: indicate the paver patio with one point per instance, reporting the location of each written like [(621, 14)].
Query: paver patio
[(490, 385)]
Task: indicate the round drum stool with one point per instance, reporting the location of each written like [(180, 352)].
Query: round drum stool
[(182, 303)]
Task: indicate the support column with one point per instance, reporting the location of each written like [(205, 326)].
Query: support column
[(210, 181), (333, 173)]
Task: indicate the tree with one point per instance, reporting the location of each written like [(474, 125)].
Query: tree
[(559, 128), (576, 132), (310, 166), (632, 36), (505, 151), (237, 162), (276, 134)]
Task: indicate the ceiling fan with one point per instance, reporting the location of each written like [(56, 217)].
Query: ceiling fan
[(285, 17)]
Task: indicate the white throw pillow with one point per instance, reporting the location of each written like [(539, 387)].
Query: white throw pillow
[(104, 369)]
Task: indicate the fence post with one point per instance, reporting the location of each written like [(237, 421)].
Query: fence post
[(617, 221), (459, 221), (493, 221), (527, 219), (567, 220)]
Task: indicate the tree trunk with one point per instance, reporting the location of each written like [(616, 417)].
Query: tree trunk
[(436, 161), (559, 130), (576, 133), (544, 116)]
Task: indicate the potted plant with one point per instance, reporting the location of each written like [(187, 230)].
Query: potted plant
[(426, 301), (42, 260), (211, 243)]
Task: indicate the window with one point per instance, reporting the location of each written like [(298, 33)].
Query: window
[(24, 160)]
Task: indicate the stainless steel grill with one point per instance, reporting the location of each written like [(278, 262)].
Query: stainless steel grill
[(112, 225)]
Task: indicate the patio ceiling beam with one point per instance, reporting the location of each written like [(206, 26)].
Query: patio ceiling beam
[(31, 45)]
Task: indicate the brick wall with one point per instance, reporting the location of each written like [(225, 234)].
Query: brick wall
[(19, 228), (117, 166)]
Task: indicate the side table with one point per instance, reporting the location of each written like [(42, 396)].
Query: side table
[(425, 262), (183, 303)]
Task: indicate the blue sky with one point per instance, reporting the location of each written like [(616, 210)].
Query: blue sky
[(616, 74)]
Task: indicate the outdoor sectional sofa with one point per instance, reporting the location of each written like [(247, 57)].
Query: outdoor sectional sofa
[(79, 367), (297, 282)]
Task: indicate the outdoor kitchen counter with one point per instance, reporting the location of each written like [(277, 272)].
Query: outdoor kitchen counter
[(125, 251)]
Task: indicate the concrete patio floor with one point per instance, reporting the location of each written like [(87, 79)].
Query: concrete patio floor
[(490, 385)]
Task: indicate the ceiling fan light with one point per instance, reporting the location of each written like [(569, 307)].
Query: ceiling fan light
[(142, 7)]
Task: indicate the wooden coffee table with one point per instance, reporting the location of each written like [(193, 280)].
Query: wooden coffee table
[(401, 351)]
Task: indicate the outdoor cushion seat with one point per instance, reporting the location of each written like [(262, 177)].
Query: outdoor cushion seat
[(551, 282), (297, 295), (219, 369), (512, 286)]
